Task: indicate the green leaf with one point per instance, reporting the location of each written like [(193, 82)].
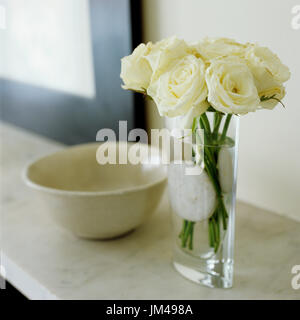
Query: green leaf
[(265, 98), (211, 109)]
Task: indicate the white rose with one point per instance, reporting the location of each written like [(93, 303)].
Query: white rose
[(211, 48), (186, 121), (267, 86), (231, 87), (165, 53), (180, 88), (135, 69), (264, 58), (269, 74)]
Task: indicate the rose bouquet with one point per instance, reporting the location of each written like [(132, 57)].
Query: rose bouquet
[(204, 85)]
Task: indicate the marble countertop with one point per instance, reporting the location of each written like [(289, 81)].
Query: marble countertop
[(46, 262)]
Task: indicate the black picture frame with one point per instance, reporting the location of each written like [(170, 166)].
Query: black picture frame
[(116, 28)]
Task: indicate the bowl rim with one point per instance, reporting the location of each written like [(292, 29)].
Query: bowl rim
[(30, 183)]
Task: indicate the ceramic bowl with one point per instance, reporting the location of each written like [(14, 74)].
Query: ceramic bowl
[(92, 200)]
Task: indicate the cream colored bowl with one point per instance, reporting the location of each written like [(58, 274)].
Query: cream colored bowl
[(92, 200)]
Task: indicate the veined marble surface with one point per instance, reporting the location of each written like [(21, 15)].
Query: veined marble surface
[(46, 262)]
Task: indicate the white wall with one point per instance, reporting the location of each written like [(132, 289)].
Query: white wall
[(269, 158)]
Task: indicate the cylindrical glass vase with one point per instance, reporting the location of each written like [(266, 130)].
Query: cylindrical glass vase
[(202, 194)]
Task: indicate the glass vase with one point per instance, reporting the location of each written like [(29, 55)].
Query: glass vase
[(202, 194)]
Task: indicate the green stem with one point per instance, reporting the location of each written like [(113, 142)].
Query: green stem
[(217, 121), (212, 171), (216, 234), (226, 125), (224, 214), (207, 140), (187, 233), (211, 233), (191, 235), (206, 123), (211, 149), (184, 225)]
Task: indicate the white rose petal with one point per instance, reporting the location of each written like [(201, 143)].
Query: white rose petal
[(164, 54), (211, 48), (136, 71), (192, 196), (267, 86), (231, 87), (180, 88), (265, 58), (186, 121), (269, 74)]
